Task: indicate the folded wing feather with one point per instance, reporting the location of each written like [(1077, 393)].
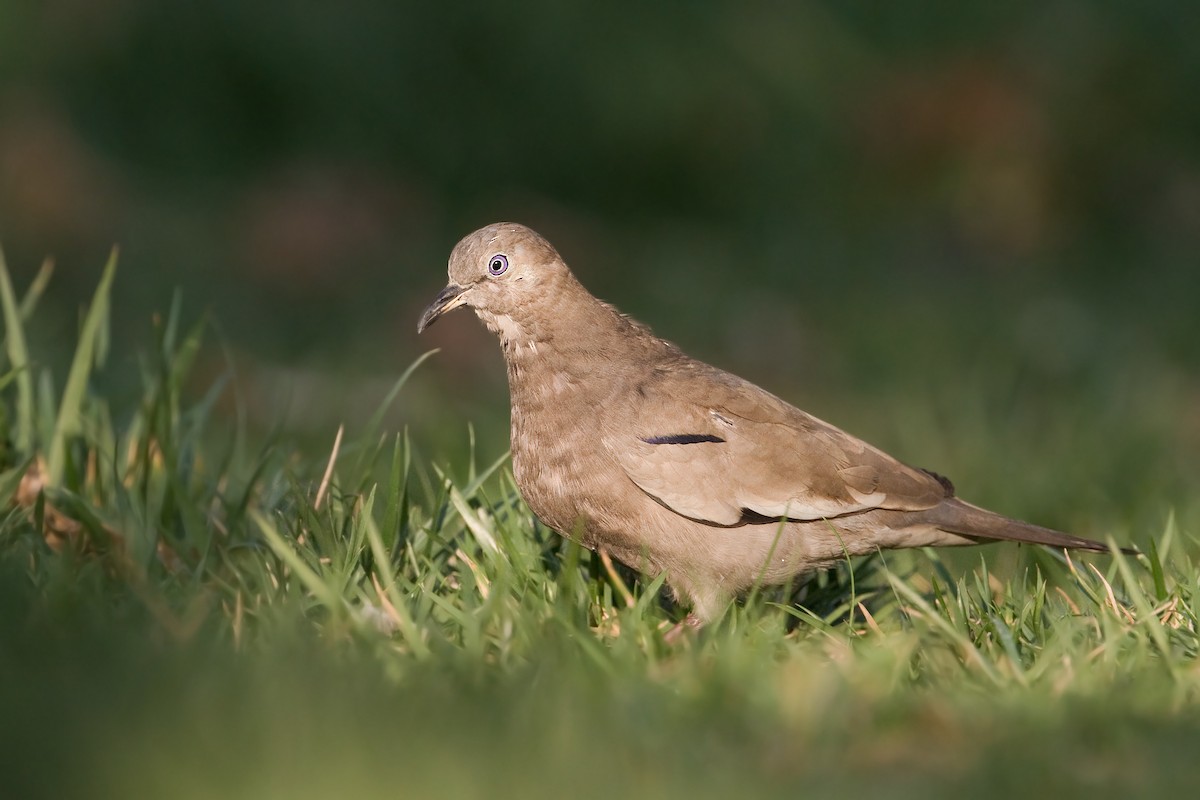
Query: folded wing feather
[(743, 449)]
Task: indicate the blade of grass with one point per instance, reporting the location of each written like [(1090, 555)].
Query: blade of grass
[(36, 289), (399, 608), (371, 432), (969, 651), (397, 491), (9, 481), (468, 515), (473, 486), (1146, 618), (287, 554), (648, 595), (91, 349), (18, 356), (1156, 571)]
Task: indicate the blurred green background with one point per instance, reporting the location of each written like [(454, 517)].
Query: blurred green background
[(968, 232), (929, 222)]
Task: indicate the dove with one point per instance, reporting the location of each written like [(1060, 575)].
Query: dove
[(626, 444)]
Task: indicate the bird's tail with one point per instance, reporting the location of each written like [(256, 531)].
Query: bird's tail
[(955, 516)]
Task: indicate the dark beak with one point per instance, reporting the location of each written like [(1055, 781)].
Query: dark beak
[(448, 299)]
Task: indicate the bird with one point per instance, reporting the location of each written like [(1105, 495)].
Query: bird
[(624, 443)]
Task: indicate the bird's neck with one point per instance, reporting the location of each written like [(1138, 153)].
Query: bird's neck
[(580, 344)]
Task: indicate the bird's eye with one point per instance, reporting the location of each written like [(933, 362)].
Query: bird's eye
[(498, 264)]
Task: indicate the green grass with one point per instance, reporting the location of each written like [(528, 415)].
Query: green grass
[(214, 618)]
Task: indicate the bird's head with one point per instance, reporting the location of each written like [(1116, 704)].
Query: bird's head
[(503, 271)]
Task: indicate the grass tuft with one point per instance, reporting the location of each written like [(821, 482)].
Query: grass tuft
[(187, 612)]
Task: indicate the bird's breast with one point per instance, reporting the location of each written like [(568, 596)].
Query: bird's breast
[(559, 461)]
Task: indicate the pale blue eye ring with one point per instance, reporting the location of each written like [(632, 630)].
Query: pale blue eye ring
[(497, 264)]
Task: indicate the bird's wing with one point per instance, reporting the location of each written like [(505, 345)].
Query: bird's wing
[(713, 447)]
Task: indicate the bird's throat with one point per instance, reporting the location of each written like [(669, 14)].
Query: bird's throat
[(509, 331)]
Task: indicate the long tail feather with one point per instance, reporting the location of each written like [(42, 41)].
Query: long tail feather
[(956, 516)]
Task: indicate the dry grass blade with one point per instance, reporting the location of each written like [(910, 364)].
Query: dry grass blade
[(324, 487)]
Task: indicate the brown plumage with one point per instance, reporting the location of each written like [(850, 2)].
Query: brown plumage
[(621, 440)]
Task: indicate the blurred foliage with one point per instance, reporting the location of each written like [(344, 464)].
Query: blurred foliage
[(965, 231), (814, 194), (184, 614)]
